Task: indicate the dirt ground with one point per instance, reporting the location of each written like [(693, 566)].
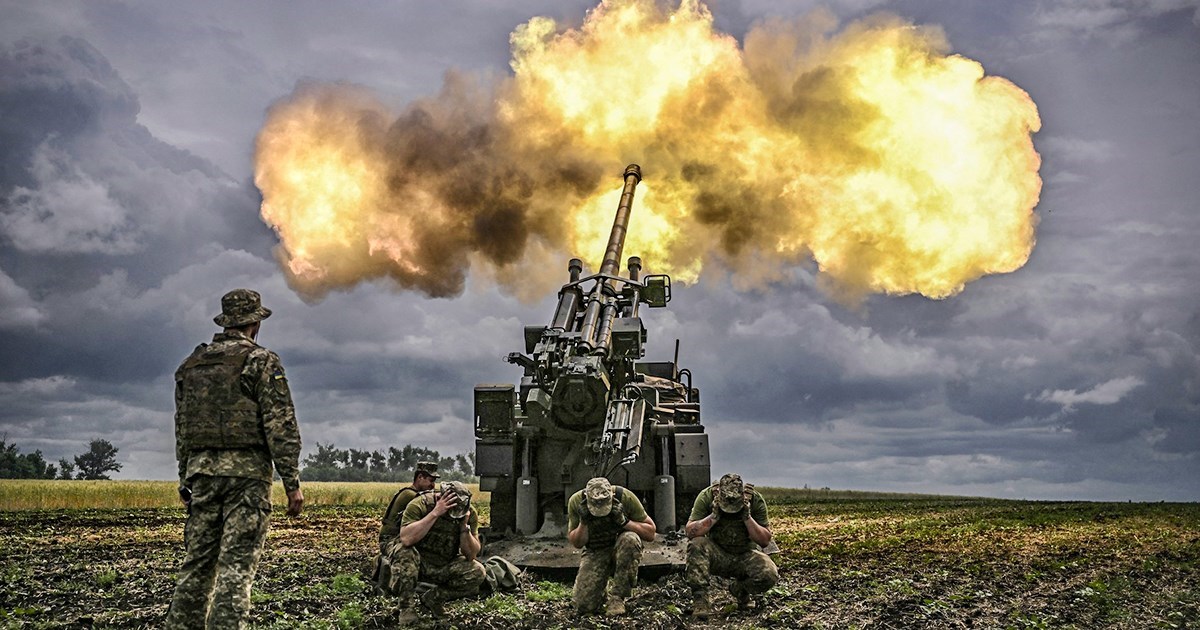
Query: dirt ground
[(935, 563)]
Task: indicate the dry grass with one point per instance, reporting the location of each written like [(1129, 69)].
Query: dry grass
[(44, 494)]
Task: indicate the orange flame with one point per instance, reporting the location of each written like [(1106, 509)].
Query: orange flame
[(897, 167)]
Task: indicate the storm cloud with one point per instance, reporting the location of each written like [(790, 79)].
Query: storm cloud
[(127, 209)]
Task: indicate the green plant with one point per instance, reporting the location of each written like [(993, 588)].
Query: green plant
[(546, 591), (348, 583), (106, 579), (350, 617)]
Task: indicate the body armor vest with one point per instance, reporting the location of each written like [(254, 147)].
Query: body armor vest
[(730, 532), (603, 530), (395, 514), (731, 535), (441, 544), (215, 411)]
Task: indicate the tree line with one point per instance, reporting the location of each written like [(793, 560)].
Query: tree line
[(99, 460), (330, 463)]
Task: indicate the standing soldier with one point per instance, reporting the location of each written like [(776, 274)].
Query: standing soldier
[(233, 420), (727, 525), (424, 478), (610, 524), (438, 543)]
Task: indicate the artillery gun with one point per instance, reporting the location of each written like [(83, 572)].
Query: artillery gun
[(587, 406)]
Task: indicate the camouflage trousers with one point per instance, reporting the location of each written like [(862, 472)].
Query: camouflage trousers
[(225, 531), (400, 568), (595, 567), (753, 570)]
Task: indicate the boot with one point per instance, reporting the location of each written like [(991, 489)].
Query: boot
[(408, 616), (431, 600), (616, 606), (739, 593), (701, 607)]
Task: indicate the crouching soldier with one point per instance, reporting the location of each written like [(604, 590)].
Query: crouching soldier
[(727, 525), (424, 478), (437, 545), (609, 523)]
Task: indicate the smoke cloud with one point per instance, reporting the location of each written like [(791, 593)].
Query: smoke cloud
[(870, 149)]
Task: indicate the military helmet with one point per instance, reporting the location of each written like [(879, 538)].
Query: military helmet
[(599, 496), (464, 498), (241, 307), (729, 493), (428, 468)]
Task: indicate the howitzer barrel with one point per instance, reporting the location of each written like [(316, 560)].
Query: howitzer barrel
[(593, 329), (616, 238)]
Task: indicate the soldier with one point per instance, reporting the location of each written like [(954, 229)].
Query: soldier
[(438, 543), (727, 525), (424, 478), (610, 524), (233, 420)]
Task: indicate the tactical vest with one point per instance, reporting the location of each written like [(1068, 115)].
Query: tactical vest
[(603, 530), (395, 514), (441, 544), (731, 535), (215, 412)]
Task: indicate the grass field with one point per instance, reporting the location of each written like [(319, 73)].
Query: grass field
[(848, 560), (41, 494)]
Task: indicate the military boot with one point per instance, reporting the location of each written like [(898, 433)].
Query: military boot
[(616, 606), (407, 616), (701, 607), (431, 599), (739, 593)]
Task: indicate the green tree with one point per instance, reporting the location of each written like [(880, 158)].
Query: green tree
[(17, 465), (66, 469), (100, 460), (327, 456)]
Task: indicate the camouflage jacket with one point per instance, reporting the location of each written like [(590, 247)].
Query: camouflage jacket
[(262, 381)]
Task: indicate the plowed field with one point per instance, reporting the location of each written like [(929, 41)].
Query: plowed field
[(846, 562)]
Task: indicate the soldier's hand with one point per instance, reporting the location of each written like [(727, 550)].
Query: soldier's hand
[(716, 512), (445, 503), (295, 502), (617, 514)]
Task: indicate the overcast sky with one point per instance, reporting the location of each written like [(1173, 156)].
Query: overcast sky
[(127, 207)]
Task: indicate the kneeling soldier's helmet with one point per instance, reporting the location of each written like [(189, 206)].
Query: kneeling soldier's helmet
[(464, 498), (729, 493), (599, 496)]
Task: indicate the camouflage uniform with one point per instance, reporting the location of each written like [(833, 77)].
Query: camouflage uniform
[(389, 529), (610, 550), (234, 421), (727, 549), (436, 558)]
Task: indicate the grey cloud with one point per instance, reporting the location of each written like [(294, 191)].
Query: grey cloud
[(1110, 18), (1022, 386), (17, 309)]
